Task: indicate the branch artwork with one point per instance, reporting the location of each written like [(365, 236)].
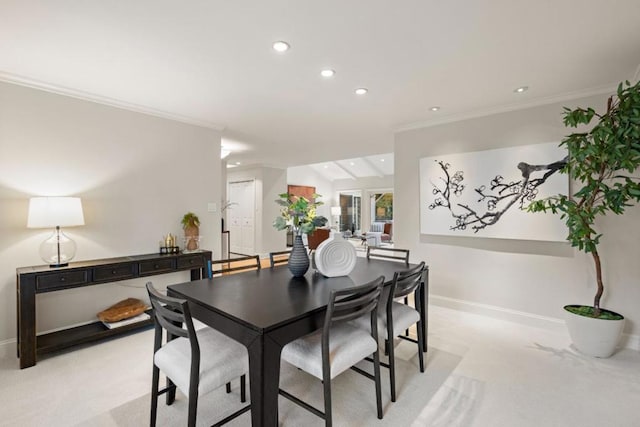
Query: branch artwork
[(503, 184)]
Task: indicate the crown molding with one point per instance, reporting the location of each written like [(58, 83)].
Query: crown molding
[(99, 99), (605, 89)]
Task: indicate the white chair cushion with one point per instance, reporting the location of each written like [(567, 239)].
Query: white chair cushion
[(347, 346), (377, 226), (403, 317), (222, 359), (374, 238)]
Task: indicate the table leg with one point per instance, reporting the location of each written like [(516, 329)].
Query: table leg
[(26, 319), (264, 381)]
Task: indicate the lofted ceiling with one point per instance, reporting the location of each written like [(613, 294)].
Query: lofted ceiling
[(377, 165), (211, 62)]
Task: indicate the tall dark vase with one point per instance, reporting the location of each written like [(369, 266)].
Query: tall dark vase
[(299, 259)]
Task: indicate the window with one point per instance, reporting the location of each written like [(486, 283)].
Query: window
[(382, 207), (350, 211)]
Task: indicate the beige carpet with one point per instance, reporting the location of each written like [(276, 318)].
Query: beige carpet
[(353, 398)]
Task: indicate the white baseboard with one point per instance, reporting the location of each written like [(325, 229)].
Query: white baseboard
[(7, 342), (522, 317), (630, 341)]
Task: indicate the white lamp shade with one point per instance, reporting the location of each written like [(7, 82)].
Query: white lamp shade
[(55, 211), (335, 210)]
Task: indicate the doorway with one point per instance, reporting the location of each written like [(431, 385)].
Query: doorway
[(242, 217), (350, 211)]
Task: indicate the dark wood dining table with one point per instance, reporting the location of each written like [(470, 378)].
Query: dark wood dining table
[(268, 308)]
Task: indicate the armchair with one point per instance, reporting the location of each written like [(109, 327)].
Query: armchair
[(378, 233)]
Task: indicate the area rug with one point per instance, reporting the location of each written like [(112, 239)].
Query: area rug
[(353, 397)]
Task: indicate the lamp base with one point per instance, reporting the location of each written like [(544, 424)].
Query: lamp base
[(58, 265), (58, 249)]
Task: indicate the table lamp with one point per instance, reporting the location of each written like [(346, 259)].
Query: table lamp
[(56, 212)]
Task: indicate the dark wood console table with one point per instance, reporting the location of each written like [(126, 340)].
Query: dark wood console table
[(39, 279)]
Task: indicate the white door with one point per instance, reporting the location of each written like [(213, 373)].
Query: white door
[(242, 217)]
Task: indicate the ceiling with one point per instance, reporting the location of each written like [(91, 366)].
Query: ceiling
[(210, 62), (377, 165)]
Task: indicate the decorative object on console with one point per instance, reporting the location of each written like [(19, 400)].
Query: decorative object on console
[(191, 225), (168, 245), (335, 256), (298, 214), (122, 310), (45, 212)]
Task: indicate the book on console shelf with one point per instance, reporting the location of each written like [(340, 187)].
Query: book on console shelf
[(135, 319)]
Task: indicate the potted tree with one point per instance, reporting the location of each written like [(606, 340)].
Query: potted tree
[(600, 164), (191, 226), (298, 215)]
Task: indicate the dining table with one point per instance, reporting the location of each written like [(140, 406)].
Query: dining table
[(267, 308)]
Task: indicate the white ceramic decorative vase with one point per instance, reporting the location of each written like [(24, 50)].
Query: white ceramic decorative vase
[(335, 256), (593, 337)]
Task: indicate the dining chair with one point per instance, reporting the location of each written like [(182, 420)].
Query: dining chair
[(196, 362), (339, 345), (398, 317), (235, 265), (394, 254), (279, 257)]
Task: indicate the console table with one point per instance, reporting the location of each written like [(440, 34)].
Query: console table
[(39, 279)]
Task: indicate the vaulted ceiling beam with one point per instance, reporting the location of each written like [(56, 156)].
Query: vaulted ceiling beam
[(347, 171), (377, 171)]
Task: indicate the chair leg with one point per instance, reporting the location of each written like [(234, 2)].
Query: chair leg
[(376, 372), (406, 302), (171, 393), (155, 382), (392, 369), (421, 336), (420, 344), (243, 388), (193, 407), (326, 386)]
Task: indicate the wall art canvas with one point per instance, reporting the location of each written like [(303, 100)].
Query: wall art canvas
[(301, 190), (486, 193)]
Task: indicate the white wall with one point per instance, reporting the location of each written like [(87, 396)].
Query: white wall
[(136, 174), (269, 182), (507, 275)]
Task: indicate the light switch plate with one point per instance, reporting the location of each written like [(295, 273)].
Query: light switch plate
[(211, 207)]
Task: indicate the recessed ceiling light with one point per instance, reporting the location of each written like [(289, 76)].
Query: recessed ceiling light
[(361, 91), (281, 46), (382, 160), (434, 108), (521, 89), (351, 163), (326, 166), (327, 73)]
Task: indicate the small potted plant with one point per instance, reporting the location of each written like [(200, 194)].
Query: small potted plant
[(298, 215), (191, 226), (600, 163)]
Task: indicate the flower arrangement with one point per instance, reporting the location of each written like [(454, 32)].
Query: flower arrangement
[(298, 214)]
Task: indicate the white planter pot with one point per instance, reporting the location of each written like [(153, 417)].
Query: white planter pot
[(593, 337)]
